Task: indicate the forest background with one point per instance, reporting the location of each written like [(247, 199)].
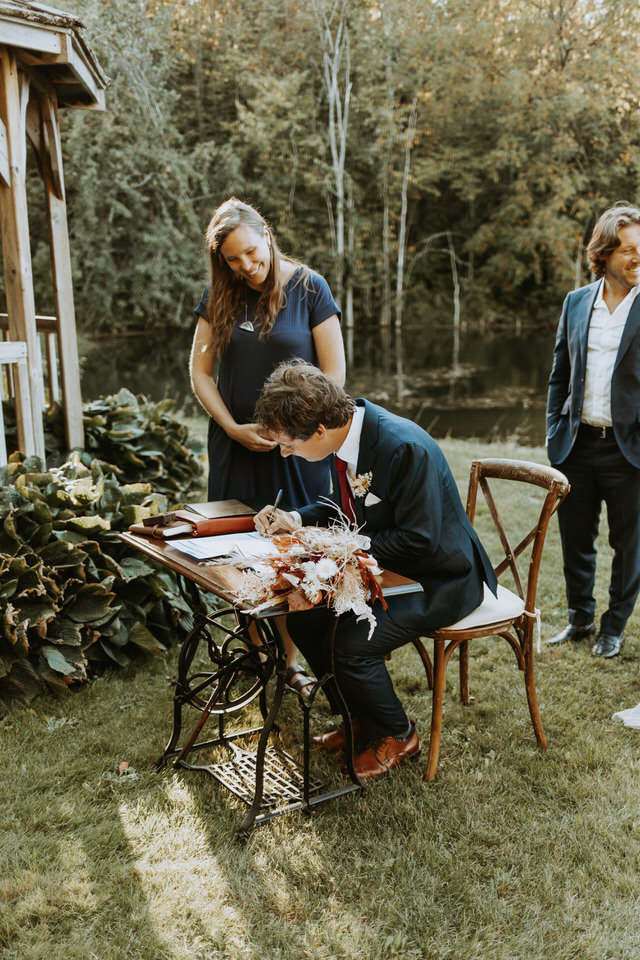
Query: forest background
[(432, 158)]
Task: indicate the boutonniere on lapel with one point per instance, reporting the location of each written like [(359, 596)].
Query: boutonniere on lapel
[(360, 484)]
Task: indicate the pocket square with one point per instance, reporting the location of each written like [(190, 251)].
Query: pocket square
[(370, 500)]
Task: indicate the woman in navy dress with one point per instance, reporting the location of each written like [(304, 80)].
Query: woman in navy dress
[(260, 307)]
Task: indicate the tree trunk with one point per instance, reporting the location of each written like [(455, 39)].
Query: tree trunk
[(336, 71), (456, 303), (385, 306), (402, 234)]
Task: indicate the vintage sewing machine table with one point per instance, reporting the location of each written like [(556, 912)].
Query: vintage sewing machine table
[(244, 650)]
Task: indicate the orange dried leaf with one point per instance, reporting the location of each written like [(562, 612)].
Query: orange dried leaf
[(298, 600)]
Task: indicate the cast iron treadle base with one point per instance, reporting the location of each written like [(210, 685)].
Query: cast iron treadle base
[(283, 777)]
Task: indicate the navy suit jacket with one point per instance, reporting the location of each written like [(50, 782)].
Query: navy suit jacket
[(566, 383), (418, 526)]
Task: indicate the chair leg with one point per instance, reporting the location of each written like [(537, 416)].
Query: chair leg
[(426, 661), (436, 709), (532, 698), (464, 672)]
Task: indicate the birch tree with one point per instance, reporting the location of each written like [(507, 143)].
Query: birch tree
[(333, 29)]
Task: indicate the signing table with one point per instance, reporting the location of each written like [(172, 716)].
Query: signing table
[(238, 652)]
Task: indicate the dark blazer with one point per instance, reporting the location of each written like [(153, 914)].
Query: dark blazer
[(414, 516), (566, 382)]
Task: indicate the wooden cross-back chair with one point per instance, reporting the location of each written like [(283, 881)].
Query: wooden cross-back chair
[(509, 615)]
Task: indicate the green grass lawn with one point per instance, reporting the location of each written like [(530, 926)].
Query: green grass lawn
[(511, 853)]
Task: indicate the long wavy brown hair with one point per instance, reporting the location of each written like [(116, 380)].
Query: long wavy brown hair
[(228, 292), (605, 239)]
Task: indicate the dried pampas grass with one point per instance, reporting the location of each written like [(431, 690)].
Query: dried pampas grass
[(316, 566)]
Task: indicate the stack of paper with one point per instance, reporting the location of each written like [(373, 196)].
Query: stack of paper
[(246, 545)]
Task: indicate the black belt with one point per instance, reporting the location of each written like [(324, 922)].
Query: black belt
[(599, 433)]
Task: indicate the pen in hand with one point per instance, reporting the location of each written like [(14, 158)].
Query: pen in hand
[(275, 506)]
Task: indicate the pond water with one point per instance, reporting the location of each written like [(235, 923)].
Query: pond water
[(494, 388)]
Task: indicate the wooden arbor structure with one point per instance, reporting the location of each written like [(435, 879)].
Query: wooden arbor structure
[(45, 63)]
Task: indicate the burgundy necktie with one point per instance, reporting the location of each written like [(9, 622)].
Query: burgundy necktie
[(347, 500)]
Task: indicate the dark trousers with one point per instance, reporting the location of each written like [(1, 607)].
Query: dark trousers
[(359, 666), (598, 472)]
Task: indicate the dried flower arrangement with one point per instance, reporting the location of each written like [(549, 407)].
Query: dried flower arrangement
[(360, 484), (317, 565)]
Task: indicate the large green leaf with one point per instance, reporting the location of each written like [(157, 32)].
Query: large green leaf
[(8, 588), (36, 615), (134, 567), (89, 525), (65, 631), (145, 640), (92, 604), (60, 554), (22, 684), (57, 661), (27, 487), (9, 527), (115, 653)]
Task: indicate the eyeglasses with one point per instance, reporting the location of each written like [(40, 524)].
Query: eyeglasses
[(291, 443)]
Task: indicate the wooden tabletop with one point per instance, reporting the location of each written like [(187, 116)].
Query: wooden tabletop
[(218, 579)]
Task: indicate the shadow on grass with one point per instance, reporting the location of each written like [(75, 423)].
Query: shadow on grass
[(69, 880)]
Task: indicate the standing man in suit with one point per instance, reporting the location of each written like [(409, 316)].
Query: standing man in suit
[(593, 429), (408, 504)]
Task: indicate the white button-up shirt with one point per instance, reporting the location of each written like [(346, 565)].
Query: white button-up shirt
[(350, 449), (605, 332)]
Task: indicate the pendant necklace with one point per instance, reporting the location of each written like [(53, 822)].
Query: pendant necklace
[(246, 323)]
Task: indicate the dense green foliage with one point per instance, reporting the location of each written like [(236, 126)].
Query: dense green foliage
[(131, 437), (493, 131), (74, 598)]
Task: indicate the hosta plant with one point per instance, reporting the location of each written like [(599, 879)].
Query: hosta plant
[(73, 597), (135, 438)]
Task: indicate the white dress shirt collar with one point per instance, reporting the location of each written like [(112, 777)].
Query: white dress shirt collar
[(624, 306), (350, 448)]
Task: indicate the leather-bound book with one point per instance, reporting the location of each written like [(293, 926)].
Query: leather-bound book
[(209, 520)]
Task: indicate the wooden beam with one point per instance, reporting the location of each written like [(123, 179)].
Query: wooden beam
[(51, 146), (53, 46), (30, 37), (44, 324), (17, 255), (11, 352), (63, 289), (81, 69), (5, 176)]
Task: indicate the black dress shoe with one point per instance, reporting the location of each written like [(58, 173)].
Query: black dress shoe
[(573, 632), (607, 646)]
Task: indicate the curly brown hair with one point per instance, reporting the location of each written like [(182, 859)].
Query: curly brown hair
[(297, 397), (604, 238), (227, 294)]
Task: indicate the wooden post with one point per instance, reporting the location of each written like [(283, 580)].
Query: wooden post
[(16, 252), (61, 272)]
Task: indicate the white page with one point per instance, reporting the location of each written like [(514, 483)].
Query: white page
[(235, 544)]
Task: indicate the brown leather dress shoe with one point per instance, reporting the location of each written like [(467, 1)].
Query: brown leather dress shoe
[(384, 754), (335, 739)]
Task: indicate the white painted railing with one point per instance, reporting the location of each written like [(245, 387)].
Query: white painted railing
[(13, 355)]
